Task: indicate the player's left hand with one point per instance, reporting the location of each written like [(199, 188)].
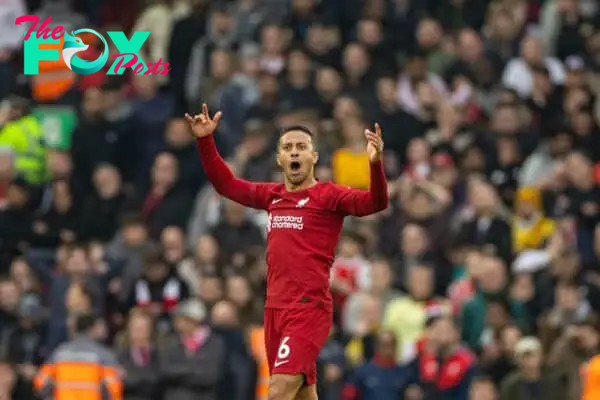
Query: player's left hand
[(374, 143)]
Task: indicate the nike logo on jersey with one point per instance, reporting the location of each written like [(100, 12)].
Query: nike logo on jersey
[(302, 203), (276, 201), (279, 363)]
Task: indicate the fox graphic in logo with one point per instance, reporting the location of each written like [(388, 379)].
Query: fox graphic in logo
[(74, 45)]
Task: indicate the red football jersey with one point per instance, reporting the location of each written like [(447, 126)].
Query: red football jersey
[(303, 226)]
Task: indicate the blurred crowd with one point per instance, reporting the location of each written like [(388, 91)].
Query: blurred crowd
[(481, 281)]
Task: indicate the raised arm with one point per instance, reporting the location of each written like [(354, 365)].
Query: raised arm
[(255, 195), (362, 202)]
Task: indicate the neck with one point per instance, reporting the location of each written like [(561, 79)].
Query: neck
[(308, 183), (531, 374)]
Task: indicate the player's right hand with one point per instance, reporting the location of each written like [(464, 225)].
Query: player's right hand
[(202, 124)]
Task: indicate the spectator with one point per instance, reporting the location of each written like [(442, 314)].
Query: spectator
[(158, 289), (98, 371), (139, 358), (382, 365), (531, 380), (194, 365), (483, 388), (442, 350), (489, 112)]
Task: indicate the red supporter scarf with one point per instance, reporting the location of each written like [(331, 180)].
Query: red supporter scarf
[(170, 297), (450, 373)]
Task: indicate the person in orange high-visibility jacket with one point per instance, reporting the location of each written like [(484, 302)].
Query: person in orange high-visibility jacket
[(257, 345), (590, 379), (80, 369)]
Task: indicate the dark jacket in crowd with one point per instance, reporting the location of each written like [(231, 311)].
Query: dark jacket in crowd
[(193, 376), (141, 380)]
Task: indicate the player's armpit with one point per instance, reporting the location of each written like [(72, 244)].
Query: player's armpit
[(249, 194), (360, 203)]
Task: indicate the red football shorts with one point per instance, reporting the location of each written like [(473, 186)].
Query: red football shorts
[(293, 339)]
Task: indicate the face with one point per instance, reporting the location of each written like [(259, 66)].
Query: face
[(157, 271), (386, 345), (578, 167), (211, 289), (207, 249), (298, 62), (224, 314), (381, 275), (78, 262), (355, 60), (9, 296), (140, 329), (268, 85), (429, 33), (344, 108), (369, 32), (443, 333), (509, 338), (92, 102), (386, 90), (238, 290), (482, 391), (134, 234), (530, 360), (272, 39), (531, 50), (185, 326), (16, 196), (221, 64), (107, 181), (178, 134), (221, 22), (164, 170), (173, 243), (77, 301), (296, 156), (493, 277), (235, 213), (328, 81), (470, 46), (418, 151), (145, 85), (420, 282), (416, 69), (414, 241), (505, 120), (20, 271)]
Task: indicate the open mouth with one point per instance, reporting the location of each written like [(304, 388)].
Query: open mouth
[(295, 165)]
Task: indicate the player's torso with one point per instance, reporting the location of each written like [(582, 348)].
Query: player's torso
[(302, 235)]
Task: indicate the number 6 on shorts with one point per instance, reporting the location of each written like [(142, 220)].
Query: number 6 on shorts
[(284, 349)]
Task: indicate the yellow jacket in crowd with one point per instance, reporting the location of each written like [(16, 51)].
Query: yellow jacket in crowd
[(24, 140), (530, 233), (349, 169)]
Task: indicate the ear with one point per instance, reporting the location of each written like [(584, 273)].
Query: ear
[(315, 157), (278, 160)]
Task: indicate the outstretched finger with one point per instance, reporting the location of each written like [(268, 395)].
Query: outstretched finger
[(188, 117), (217, 117), (205, 111), (371, 137), (377, 129)]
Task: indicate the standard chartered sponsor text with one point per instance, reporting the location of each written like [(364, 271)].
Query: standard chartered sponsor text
[(287, 222)]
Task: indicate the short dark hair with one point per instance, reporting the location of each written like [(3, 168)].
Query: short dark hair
[(300, 128), (84, 322)]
